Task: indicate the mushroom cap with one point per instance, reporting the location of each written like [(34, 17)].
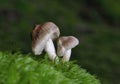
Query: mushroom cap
[(41, 34), (65, 43)]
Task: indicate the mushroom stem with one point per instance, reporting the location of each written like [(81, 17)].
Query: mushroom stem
[(50, 49), (66, 56)]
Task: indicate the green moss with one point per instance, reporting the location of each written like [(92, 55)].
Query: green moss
[(26, 69)]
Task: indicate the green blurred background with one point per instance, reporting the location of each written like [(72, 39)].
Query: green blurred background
[(96, 23)]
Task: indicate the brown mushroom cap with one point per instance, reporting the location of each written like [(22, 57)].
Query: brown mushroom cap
[(42, 33), (65, 43)]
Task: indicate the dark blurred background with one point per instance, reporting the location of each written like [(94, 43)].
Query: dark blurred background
[(96, 23)]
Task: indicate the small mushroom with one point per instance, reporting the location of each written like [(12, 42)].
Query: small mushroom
[(42, 37), (64, 46)]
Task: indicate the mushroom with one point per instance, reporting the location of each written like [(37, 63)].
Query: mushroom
[(64, 46), (42, 37)]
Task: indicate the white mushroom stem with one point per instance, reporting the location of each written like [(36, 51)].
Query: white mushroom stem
[(66, 56), (50, 49)]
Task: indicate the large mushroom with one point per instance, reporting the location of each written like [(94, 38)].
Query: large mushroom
[(42, 39), (64, 46)]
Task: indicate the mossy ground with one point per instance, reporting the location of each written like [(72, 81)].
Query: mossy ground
[(28, 69)]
